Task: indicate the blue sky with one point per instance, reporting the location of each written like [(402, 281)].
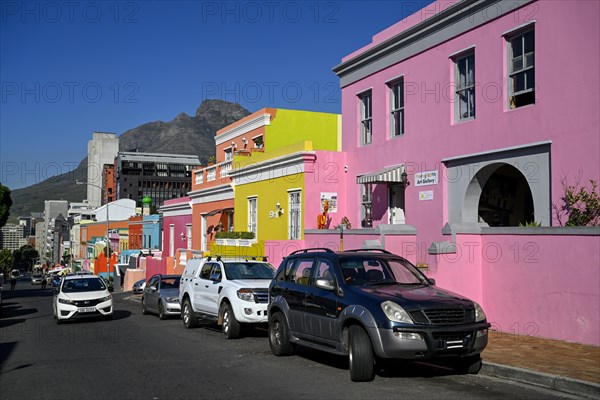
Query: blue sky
[(68, 69)]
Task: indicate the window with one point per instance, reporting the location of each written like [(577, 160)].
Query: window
[(258, 142), (228, 154), (464, 87), (397, 108), (302, 272), (295, 213), (188, 233), (366, 123), (252, 214), (205, 272), (521, 67)]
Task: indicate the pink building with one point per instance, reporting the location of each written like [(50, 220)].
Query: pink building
[(460, 123)]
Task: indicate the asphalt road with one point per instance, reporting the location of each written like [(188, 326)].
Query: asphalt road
[(138, 356)]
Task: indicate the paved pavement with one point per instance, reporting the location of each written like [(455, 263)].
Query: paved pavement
[(563, 366)]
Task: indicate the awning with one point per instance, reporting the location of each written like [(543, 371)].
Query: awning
[(219, 211), (388, 174)]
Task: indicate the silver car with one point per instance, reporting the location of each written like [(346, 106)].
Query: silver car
[(161, 296), (139, 286)]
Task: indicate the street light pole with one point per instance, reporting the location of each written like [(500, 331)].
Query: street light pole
[(107, 226)]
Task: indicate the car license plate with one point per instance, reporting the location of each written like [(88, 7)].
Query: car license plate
[(87, 309)]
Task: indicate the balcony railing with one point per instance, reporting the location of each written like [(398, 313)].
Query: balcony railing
[(226, 167)]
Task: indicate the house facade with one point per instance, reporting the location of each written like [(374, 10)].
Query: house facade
[(460, 130)]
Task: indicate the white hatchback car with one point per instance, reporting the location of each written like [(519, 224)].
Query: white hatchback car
[(82, 296)]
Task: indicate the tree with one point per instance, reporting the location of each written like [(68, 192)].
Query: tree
[(25, 257), (581, 205), (6, 261), (5, 203)]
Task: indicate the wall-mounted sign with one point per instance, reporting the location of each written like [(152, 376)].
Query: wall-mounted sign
[(426, 195), (331, 199), (426, 178)]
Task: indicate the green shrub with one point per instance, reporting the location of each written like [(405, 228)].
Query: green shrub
[(234, 235)]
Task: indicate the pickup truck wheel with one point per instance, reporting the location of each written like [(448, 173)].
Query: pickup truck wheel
[(231, 326), (469, 365), (161, 311), (188, 315), (279, 337), (360, 355)]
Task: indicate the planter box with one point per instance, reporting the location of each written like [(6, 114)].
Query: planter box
[(235, 242)]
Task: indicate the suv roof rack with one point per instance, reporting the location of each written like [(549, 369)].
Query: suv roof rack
[(313, 249), (237, 257), (367, 250)]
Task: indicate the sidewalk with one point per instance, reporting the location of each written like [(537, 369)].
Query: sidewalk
[(564, 366)]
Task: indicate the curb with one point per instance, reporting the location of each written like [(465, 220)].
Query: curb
[(548, 381)]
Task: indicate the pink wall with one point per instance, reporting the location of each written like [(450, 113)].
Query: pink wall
[(533, 286), (325, 175), (155, 266), (566, 110), (179, 222)]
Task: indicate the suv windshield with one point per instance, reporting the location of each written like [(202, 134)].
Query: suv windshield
[(373, 271), (83, 285), (249, 270)]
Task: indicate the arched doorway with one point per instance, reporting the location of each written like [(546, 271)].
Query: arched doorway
[(503, 196)]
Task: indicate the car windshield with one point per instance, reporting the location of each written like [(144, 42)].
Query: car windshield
[(170, 283), (376, 271), (249, 270), (83, 285), (37, 276)]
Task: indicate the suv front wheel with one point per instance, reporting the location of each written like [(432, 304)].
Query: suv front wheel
[(279, 336), (360, 355), (188, 315)]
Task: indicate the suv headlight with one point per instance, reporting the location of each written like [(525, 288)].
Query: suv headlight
[(479, 314), (246, 294), (396, 313), (66, 301)]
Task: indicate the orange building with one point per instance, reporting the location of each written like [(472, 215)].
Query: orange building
[(135, 232)]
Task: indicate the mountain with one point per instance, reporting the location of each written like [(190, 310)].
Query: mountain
[(185, 134)]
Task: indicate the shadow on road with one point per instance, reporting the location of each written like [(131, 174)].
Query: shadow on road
[(16, 311), (34, 291), (5, 350)]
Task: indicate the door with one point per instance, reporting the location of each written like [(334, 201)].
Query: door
[(198, 288), (321, 304), (207, 290), (299, 281), (151, 294), (396, 208)]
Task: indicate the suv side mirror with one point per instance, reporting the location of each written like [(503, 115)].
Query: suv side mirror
[(325, 284)]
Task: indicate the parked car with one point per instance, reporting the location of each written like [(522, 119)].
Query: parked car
[(139, 286), (36, 279), (230, 291), (161, 296), (371, 303), (82, 296)]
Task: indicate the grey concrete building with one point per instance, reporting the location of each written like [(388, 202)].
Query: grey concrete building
[(102, 149)]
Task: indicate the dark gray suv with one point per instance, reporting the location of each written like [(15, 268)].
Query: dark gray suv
[(371, 305)]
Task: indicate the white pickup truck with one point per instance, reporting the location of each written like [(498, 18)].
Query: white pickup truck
[(230, 291)]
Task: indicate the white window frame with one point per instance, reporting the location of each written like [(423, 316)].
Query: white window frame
[(188, 235), (294, 214), (366, 117), (228, 153), (396, 110), (464, 86), (253, 215), (525, 67)]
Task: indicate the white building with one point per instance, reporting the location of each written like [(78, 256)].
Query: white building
[(102, 149)]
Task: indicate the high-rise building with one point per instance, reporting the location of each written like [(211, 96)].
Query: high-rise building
[(12, 237), (158, 176), (102, 150)]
